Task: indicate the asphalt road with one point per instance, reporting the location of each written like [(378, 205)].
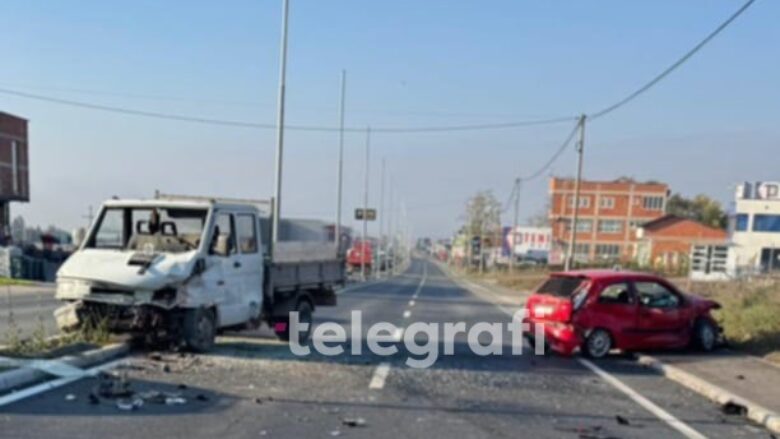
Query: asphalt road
[(26, 310), (253, 386)]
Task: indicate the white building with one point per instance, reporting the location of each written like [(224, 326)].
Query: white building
[(531, 242), (755, 229)]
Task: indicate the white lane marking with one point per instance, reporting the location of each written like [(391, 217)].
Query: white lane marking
[(648, 405), (422, 282), (380, 375), (660, 413), (398, 334), (50, 385), (411, 302), (407, 314)]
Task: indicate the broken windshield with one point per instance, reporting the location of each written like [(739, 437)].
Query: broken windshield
[(149, 229)]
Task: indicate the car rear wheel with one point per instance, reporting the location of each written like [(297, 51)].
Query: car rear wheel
[(705, 335), (598, 344)]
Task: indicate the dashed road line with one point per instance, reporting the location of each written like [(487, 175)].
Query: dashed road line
[(411, 302), (380, 376), (398, 334), (407, 314)]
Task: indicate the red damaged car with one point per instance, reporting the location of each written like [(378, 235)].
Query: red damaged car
[(600, 310)]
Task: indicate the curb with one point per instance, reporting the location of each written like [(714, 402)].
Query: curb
[(755, 412), (17, 378)]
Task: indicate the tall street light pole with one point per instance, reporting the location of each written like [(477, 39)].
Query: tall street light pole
[(365, 207), (277, 204), (513, 244), (341, 161), (382, 247), (577, 184)]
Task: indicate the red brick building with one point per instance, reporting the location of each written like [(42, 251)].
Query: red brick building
[(14, 172), (609, 213), (666, 242)]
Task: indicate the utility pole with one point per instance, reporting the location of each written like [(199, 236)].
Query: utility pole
[(341, 162), (513, 244), (382, 247), (90, 216), (277, 202), (390, 228), (577, 183), (365, 207)]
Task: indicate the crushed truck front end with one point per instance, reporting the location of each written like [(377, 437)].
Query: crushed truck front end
[(138, 267)]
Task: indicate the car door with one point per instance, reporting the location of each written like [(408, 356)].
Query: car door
[(224, 261), (661, 320), (616, 310), (249, 268)]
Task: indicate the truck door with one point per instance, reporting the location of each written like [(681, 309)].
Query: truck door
[(221, 278), (249, 266)]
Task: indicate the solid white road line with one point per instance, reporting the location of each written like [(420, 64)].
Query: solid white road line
[(380, 375), (407, 314), (50, 385), (648, 405), (660, 413)]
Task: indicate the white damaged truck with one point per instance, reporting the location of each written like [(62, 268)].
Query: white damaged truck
[(183, 268)]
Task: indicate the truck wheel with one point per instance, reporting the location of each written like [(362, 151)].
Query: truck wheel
[(200, 328), (282, 326)]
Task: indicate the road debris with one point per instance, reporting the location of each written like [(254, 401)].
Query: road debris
[(354, 422), (129, 404), (621, 420), (733, 409)]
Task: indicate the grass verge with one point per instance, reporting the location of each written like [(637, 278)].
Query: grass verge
[(750, 315)]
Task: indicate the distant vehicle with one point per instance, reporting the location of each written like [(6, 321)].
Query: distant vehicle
[(600, 310), (185, 267), (361, 253)]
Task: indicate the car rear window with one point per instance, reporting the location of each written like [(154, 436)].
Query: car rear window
[(560, 286)]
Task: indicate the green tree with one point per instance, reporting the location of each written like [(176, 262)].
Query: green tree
[(700, 208), (483, 216)]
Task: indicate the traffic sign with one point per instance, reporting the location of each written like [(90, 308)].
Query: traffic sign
[(370, 214)]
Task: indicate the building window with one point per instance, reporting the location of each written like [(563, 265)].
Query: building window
[(741, 223), (610, 226), (583, 225), (584, 201), (766, 223), (582, 249), (607, 251), (653, 203), (607, 202)]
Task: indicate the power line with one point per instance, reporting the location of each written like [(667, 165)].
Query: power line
[(674, 66), (554, 157), (268, 126)]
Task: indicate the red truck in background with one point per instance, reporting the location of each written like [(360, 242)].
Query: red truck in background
[(361, 252)]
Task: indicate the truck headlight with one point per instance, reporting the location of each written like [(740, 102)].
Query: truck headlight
[(72, 288)]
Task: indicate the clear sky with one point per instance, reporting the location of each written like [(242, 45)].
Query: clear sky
[(708, 126)]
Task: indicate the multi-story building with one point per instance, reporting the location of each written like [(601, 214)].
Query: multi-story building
[(609, 213), (14, 174), (755, 229)]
